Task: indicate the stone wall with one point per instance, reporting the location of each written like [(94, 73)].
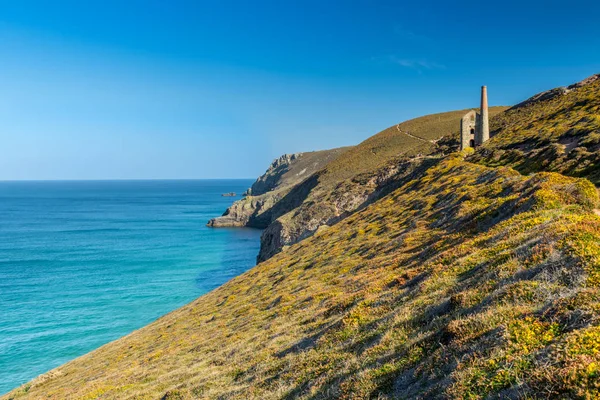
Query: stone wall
[(468, 124)]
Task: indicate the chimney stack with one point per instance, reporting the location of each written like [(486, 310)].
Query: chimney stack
[(484, 129)]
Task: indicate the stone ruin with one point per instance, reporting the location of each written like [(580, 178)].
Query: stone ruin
[(474, 126)]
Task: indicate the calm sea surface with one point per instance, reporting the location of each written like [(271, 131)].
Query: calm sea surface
[(84, 263)]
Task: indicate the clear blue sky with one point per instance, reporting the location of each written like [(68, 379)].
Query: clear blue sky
[(216, 89)]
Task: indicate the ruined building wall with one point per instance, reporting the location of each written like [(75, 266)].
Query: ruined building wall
[(468, 127), (474, 127)]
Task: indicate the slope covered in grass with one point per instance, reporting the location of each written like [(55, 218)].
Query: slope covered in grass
[(405, 140), (558, 133), (466, 282), (357, 177)]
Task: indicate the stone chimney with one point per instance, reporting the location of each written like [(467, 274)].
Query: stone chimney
[(484, 129)]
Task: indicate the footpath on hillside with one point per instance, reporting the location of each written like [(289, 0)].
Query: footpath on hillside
[(414, 136)]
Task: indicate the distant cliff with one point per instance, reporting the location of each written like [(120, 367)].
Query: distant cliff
[(273, 188), (282, 172)]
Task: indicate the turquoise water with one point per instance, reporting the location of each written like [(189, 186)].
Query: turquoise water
[(84, 263)]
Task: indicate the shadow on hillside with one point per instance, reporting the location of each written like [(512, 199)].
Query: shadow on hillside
[(435, 326), (291, 200)]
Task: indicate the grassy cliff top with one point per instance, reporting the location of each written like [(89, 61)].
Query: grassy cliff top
[(407, 139), (560, 134), (467, 282)]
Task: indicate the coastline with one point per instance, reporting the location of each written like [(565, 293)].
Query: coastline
[(97, 271)]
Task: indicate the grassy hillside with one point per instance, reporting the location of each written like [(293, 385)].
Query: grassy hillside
[(407, 139), (466, 282), (560, 134), (357, 177)]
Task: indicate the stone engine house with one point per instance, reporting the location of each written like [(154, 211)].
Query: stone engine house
[(474, 126)]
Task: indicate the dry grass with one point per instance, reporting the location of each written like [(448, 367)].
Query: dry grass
[(393, 143), (359, 176), (560, 135), (466, 282)]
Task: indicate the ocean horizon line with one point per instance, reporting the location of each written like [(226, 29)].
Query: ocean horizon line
[(126, 180)]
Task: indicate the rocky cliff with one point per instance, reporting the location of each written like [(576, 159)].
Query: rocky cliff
[(276, 174), (272, 188)]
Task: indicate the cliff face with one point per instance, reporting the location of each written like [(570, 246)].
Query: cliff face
[(272, 188), (246, 212), (274, 176)]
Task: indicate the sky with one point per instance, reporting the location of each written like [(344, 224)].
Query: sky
[(180, 89)]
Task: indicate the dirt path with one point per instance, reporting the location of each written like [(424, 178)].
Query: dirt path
[(413, 136)]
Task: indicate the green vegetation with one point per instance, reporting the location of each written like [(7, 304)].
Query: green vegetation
[(561, 135), (359, 176), (466, 282), (441, 276), (406, 140)]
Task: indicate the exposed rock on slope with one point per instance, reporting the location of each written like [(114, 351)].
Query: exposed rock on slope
[(275, 175), (320, 209), (255, 210), (466, 282)]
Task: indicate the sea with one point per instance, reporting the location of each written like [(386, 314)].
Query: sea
[(83, 263)]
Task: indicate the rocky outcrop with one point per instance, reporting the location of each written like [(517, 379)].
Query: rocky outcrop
[(260, 197), (269, 197), (243, 211), (272, 178)]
